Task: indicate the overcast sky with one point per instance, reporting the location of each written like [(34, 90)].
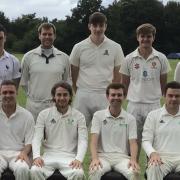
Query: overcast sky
[(43, 8)]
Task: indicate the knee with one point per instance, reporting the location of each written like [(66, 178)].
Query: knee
[(78, 173), (21, 167), (35, 170), (152, 169)]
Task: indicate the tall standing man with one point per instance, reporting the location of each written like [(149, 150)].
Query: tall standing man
[(65, 142), (16, 132), (144, 72), (161, 135), (113, 138), (9, 64), (95, 63), (41, 69)]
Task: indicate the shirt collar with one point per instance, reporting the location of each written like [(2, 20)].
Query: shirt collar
[(104, 41), (55, 51), (5, 55), (121, 115), (165, 112), (57, 115), (152, 55), (16, 111)]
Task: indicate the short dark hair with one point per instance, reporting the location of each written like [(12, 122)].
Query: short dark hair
[(64, 85), (8, 82), (46, 25), (115, 86), (3, 29), (146, 28), (171, 85), (97, 18)]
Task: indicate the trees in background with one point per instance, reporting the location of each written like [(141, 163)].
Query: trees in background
[(123, 18)]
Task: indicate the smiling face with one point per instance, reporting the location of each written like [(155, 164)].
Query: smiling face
[(145, 40), (8, 95), (115, 97), (47, 37), (172, 98), (62, 98)]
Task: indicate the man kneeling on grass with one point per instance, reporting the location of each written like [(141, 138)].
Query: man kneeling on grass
[(113, 138)]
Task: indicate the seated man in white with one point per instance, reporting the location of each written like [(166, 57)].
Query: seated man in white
[(113, 138), (161, 135), (65, 142), (16, 133)]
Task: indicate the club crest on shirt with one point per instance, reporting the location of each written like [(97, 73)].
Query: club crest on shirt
[(106, 52), (136, 66), (153, 65), (145, 74), (161, 121), (105, 122), (70, 121), (7, 67), (53, 121)]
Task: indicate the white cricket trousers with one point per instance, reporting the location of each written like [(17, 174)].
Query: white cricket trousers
[(58, 161), (19, 168), (88, 102), (118, 163), (170, 163), (140, 112)]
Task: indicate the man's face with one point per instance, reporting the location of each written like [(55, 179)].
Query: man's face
[(97, 30), (115, 97), (172, 98), (62, 98), (2, 39), (8, 94), (47, 37), (145, 40)]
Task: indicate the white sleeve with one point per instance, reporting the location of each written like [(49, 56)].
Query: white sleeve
[(38, 135), (66, 74), (16, 68), (119, 58), (29, 129), (25, 72), (125, 67), (165, 66), (75, 56), (148, 134), (132, 128), (177, 73), (82, 138), (95, 127)]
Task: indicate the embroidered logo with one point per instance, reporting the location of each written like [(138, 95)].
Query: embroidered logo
[(136, 66), (7, 67), (122, 125), (145, 74), (53, 121), (162, 121), (153, 65), (105, 122), (70, 121), (106, 52)]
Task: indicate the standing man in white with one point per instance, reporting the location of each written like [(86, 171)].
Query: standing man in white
[(41, 69), (95, 63), (16, 133), (9, 64), (113, 138), (144, 73), (65, 133), (161, 135)]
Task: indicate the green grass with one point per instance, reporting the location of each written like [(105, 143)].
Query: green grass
[(142, 162)]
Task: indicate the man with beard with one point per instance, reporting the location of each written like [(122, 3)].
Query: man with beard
[(161, 135), (16, 132), (113, 138), (41, 69), (65, 138)]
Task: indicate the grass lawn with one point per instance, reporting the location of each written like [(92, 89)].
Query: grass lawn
[(22, 100)]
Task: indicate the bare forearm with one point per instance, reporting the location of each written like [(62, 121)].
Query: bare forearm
[(27, 149)]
